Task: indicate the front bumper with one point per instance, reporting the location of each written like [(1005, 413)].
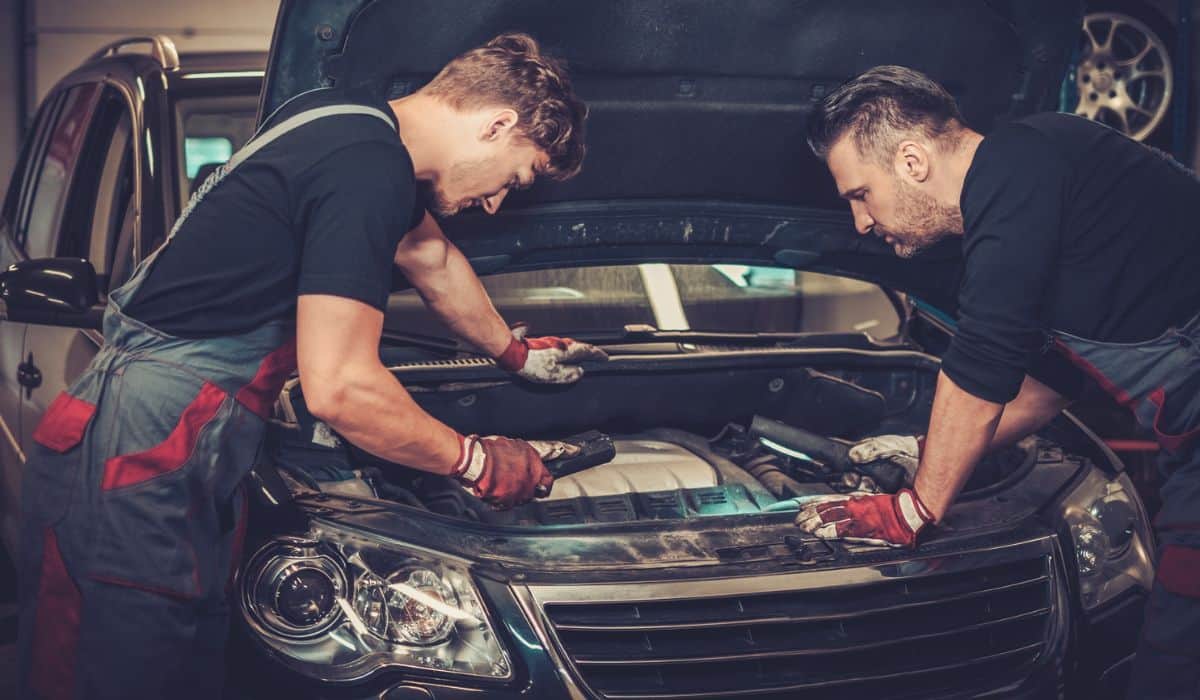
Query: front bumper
[(990, 622)]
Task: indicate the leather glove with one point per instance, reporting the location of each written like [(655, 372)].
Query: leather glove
[(502, 471), (903, 450), (883, 520), (546, 360)]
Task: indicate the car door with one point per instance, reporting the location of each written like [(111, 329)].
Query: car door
[(32, 214), (97, 224)]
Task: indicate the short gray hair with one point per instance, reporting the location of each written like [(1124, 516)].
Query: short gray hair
[(880, 107)]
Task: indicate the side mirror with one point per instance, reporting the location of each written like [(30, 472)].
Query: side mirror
[(55, 291)]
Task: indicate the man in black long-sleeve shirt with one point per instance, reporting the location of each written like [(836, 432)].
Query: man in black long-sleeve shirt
[(1078, 244)]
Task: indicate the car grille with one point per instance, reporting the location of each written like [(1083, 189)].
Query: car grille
[(918, 629)]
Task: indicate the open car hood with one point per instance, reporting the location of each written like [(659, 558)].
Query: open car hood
[(696, 148)]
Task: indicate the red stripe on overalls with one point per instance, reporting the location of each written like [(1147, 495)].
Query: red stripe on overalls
[(1174, 443), (56, 626), (260, 394), (170, 454), (1179, 570), (65, 421), (1092, 371)]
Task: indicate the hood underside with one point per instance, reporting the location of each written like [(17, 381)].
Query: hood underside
[(692, 102)]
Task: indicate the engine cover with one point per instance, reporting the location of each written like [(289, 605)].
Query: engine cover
[(641, 466)]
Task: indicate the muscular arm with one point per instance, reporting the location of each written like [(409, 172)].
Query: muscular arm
[(960, 432), (450, 288), (963, 427), (347, 386), (1035, 406)]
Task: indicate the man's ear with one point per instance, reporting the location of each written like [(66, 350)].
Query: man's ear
[(912, 161), (498, 124)]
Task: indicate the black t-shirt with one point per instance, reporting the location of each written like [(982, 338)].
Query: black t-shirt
[(319, 210), (1069, 226)]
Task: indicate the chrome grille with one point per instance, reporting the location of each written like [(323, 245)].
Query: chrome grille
[(918, 629)]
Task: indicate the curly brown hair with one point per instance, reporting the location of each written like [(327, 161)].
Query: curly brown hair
[(511, 70)]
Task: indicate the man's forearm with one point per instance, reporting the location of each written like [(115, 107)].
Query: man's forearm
[(369, 404), (1034, 407), (461, 302), (961, 428), (451, 289)]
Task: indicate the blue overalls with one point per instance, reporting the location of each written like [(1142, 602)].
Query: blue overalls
[(131, 508), (1159, 380)]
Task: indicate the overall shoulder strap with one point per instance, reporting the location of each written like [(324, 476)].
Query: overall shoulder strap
[(253, 146), (295, 122)]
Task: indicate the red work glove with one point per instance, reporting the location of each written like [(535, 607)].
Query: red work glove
[(883, 520), (502, 471), (547, 360)]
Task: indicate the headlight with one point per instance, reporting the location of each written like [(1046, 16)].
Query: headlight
[(1110, 536), (339, 607)]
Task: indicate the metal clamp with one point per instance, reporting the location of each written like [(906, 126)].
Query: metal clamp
[(161, 48)]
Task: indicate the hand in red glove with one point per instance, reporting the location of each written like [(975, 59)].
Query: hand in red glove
[(502, 471), (547, 360), (883, 520)]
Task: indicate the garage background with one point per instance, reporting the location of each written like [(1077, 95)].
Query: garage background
[(44, 39)]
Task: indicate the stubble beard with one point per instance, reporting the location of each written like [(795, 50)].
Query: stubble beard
[(462, 172), (923, 219)]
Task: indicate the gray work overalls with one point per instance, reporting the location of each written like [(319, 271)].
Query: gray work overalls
[(131, 508), (1159, 380)]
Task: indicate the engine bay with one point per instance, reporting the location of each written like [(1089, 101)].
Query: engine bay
[(661, 473)]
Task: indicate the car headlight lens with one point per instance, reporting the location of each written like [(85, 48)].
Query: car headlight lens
[(412, 606), (338, 607), (1110, 536), (293, 590)]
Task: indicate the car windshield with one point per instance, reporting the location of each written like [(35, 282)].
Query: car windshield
[(718, 298)]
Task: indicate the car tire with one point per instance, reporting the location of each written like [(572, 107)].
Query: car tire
[(1132, 96)]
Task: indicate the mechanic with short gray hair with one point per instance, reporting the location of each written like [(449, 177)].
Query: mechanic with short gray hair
[(1078, 244)]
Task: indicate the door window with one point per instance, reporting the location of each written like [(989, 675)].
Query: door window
[(98, 223), (38, 221)]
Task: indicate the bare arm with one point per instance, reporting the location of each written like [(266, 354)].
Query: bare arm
[(347, 386), (1035, 406), (451, 289), (960, 431)]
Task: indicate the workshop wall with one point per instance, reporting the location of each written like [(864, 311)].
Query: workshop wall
[(60, 34)]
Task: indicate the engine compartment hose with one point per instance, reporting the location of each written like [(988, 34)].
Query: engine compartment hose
[(831, 453)]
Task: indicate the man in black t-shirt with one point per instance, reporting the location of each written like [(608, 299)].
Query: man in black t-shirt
[(282, 260), (1081, 252)]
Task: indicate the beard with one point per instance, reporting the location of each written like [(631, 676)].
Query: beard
[(435, 200), (920, 221), (460, 178)]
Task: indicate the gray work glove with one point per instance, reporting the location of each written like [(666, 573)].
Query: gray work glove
[(903, 450), (548, 359)]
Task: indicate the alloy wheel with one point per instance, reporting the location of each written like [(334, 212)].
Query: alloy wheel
[(1124, 75)]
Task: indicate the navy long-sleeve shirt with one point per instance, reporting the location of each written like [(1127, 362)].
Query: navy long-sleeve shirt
[(1069, 226)]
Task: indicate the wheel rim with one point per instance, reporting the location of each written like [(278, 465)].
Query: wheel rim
[(1124, 75)]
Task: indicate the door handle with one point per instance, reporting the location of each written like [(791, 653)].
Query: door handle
[(29, 376)]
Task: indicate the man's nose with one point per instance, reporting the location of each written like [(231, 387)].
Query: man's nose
[(862, 220), (492, 204)]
